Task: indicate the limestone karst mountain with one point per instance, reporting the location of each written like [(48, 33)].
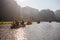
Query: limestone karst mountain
[(28, 12), (47, 15), (9, 10), (57, 14)]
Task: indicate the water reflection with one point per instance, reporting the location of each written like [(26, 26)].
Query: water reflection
[(42, 31), (19, 34)]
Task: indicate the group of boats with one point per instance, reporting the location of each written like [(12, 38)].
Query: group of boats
[(17, 24)]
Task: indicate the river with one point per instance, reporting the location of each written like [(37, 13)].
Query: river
[(41, 31)]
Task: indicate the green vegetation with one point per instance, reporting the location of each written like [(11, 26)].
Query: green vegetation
[(6, 22)]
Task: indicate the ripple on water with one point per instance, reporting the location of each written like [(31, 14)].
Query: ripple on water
[(42, 31)]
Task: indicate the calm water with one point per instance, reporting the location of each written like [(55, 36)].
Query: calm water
[(42, 31)]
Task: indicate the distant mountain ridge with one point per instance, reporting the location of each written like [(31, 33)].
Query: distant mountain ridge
[(9, 10)]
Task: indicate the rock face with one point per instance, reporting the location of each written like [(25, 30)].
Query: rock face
[(9, 10), (43, 15), (28, 12), (47, 15), (57, 14)]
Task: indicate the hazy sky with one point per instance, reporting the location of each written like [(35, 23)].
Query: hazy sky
[(40, 4)]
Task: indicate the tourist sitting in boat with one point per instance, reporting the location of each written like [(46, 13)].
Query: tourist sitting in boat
[(38, 21), (50, 21), (29, 22), (22, 24), (15, 24)]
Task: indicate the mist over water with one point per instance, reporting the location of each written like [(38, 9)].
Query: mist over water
[(42, 31)]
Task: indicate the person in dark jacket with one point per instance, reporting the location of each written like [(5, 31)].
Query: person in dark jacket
[(22, 24), (16, 23)]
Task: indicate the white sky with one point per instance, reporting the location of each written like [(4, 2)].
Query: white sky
[(40, 4)]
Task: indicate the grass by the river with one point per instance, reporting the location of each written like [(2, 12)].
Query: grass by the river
[(6, 22)]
